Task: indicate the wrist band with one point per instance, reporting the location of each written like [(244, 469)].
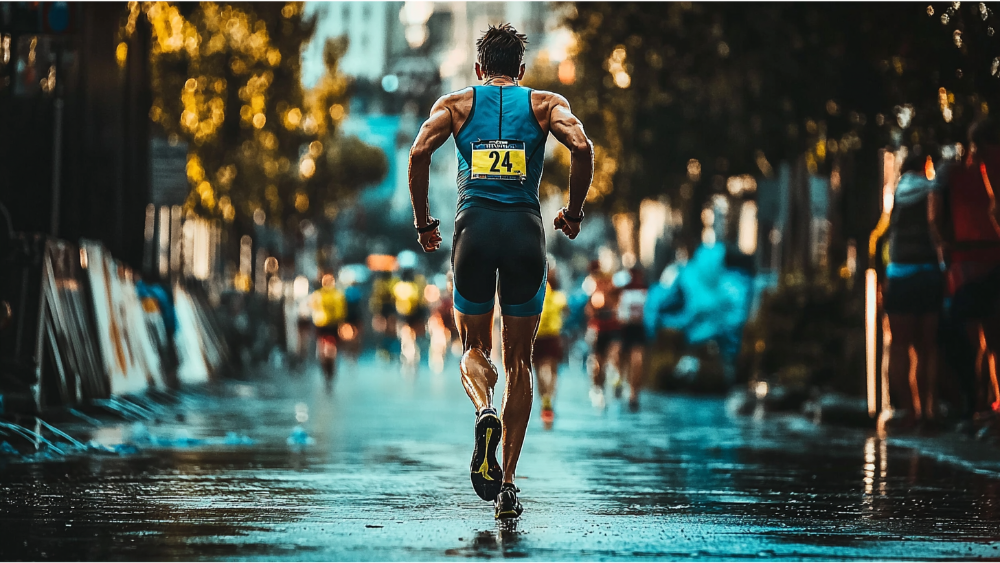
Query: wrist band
[(570, 218), (429, 226)]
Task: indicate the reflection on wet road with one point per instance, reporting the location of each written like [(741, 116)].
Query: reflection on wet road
[(387, 479)]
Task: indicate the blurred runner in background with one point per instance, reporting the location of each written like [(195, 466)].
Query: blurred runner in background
[(351, 330), (410, 308), (630, 308), (548, 350), (304, 325), (603, 329), (441, 326), (447, 311), (329, 308), (383, 308)]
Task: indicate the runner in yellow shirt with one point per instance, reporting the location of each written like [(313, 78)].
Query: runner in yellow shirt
[(548, 350), (329, 309)]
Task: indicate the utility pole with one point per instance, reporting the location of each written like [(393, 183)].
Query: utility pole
[(57, 115)]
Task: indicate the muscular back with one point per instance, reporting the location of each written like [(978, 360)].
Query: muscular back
[(459, 104), (450, 113)]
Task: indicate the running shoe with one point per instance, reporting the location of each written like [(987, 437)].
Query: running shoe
[(506, 506), (633, 404), (618, 386), (597, 397), (487, 475), (548, 415)]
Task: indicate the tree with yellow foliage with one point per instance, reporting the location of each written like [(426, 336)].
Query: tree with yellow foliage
[(226, 79)]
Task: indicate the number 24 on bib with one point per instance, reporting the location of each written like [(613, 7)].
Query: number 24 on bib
[(499, 160)]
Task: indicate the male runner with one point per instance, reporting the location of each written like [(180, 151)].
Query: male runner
[(500, 130)]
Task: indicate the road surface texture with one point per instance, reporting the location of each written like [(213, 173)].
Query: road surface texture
[(386, 478)]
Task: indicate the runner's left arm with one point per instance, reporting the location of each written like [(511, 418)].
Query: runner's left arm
[(433, 133), (568, 130)]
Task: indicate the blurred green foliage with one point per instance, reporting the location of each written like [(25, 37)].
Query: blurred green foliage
[(740, 87)]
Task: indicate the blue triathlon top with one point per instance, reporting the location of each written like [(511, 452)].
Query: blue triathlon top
[(508, 172)]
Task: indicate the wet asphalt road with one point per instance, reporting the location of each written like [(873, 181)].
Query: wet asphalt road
[(387, 479)]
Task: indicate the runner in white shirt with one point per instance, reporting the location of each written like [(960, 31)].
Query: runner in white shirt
[(630, 307)]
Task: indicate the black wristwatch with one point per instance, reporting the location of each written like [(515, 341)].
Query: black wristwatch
[(429, 226), (570, 218)]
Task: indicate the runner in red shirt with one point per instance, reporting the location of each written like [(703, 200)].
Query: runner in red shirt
[(603, 329)]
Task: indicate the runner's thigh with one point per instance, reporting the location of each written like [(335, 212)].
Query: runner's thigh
[(475, 254), (522, 261)]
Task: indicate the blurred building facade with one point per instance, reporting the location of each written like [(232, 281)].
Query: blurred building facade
[(74, 150), (403, 56)]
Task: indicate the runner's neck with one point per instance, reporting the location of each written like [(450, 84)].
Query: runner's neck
[(500, 81)]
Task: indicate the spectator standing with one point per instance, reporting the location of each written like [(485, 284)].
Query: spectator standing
[(973, 242), (913, 292)]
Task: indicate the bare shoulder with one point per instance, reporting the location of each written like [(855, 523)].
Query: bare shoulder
[(453, 99), (543, 103), (458, 104), (544, 99)]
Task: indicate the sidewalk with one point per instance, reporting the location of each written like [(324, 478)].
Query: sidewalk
[(974, 446)]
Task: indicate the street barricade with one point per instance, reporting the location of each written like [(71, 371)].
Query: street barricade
[(198, 349), (83, 334), (68, 334), (127, 347)]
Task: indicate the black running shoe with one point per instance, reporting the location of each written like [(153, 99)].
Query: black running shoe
[(633, 404), (487, 475), (506, 506)]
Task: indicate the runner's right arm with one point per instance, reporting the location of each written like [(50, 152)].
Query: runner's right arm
[(433, 133), (568, 130), (935, 209)]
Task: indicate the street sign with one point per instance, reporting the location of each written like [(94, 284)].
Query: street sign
[(168, 167)]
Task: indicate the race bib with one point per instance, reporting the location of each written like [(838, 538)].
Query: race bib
[(499, 160)]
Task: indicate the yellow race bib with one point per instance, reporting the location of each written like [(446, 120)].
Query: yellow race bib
[(499, 160)]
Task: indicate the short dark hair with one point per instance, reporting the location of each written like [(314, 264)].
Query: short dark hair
[(500, 50)]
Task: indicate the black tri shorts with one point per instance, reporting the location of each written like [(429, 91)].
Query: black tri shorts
[(499, 249)]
